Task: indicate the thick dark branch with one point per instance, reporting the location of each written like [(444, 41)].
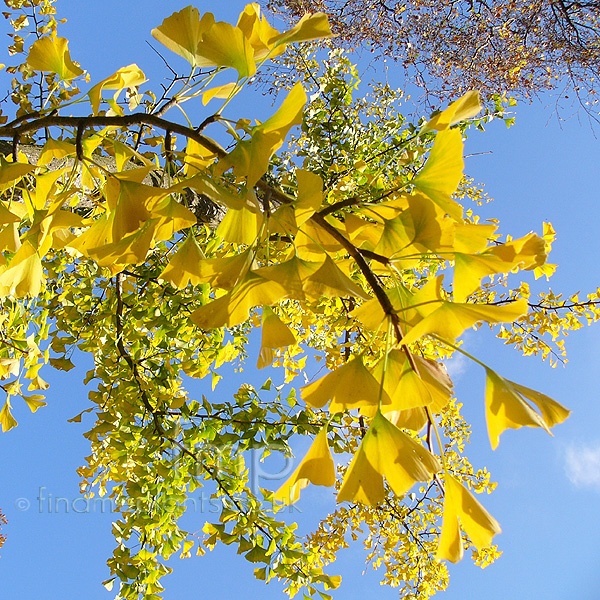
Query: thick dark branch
[(21, 129)]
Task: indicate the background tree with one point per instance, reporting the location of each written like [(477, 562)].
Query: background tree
[(343, 240), (446, 47)]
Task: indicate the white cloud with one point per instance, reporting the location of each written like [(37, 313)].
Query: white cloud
[(582, 464), (457, 365)]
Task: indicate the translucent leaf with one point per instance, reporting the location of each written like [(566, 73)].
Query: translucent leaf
[(461, 509), (310, 195), (470, 238), (182, 31), (258, 32), (47, 54), (389, 452), (221, 91), (24, 275), (10, 172), (275, 334), (316, 467), (451, 319), (224, 45), (251, 158), (329, 281), (310, 27), (233, 308), (349, 386), (56, 149), (184, 266), (127, 77), (443, 171), (292, 274), (240, 226), (6, 419), (528, 252), (507, 407), (465, 107)]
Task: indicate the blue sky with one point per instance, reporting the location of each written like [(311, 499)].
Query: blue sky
[(549, 488)]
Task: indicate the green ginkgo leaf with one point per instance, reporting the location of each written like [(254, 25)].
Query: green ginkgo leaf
[(52, 54)]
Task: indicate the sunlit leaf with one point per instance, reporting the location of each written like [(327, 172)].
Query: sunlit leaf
[(184, 266), (310, 27), (224, 45), (465, 107), (6, 418), (451, 319), (316, 467), (462, 510), (443, 171), (24, 275), (386, 451), (349, 386), (275, 334), (182, 32), (52, 54), (126, 77), (507, 407), (233, 308)]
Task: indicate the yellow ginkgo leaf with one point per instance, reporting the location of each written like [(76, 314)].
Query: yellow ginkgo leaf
[(233, 308), (391, 453), (310, 27), (7, 421), (250, 158), (462, 510), (470, 238), (527, 252), (224, 45), (24, 274), (52, 54), (182, 32), (507, 407), (275, 334), (184, 266), (221, 91), (292, 274), (316, 467), (329, 280), (312, 241), (10, 172), (197, 157), (443, 171), (7, 216), (413, 418), (226, 272), (349, 386), (126, 77), (465, 107), (258, 32), (240, 226), (56, 149), (310, 195), (451, 319)]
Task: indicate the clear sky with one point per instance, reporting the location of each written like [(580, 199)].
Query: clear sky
[(549, 488)]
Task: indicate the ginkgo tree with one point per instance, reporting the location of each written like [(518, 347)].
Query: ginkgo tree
[(159, 250)]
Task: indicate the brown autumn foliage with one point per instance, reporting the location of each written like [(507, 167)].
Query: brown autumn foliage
[(521, 47)]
